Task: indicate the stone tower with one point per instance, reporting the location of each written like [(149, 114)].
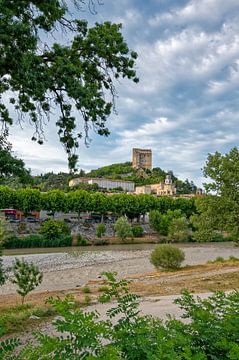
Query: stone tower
[(142, 158)]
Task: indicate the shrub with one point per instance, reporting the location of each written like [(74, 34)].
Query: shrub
[(167, 257), (137, 231), (100, 230), (122, 228), (52, 229), (26, 276), (82, 241)]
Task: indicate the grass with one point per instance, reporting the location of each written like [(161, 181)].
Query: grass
[(220, 259), (86, 290), (103, 288), (17, 318)]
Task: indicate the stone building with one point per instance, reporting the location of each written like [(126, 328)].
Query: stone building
[(142, 158), (104, 183), (164, 188)]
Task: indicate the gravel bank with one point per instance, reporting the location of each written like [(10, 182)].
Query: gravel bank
[(64, 271)]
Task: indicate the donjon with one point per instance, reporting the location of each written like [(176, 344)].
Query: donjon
[(142, 158)]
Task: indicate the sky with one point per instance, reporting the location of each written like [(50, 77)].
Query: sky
[(186, 102)]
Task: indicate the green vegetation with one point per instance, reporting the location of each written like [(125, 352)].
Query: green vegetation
[(211, 333), (32, 241), (178, 230), (10, 166), (125, 171), (161, 222), (53, 229), (26, 276), (137, 231), (122, 228), (59, 76), (167, 257), (219, 212), (82, 241), (100, 230), (15, 319), (86, 290)]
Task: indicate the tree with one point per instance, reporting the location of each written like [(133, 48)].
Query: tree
[(53, 229), (77, 77), (178, 230), (220, 211), (122, 228), (10, 165), (26, 276)]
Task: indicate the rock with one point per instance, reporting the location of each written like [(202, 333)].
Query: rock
[(34, 317)]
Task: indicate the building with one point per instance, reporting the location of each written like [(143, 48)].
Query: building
[(13, 214), (165, 188), (103, 183), (142, 159)]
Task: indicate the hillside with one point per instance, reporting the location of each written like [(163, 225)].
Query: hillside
[(125, 171)]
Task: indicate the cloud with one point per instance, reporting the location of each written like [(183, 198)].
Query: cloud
[(186, 103)]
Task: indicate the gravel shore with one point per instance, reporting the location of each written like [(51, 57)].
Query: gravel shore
[(64, 271)]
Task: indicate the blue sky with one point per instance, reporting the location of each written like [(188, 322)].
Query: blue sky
[(186, 103)]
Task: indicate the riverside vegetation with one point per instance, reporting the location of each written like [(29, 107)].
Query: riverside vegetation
[(128, 335)]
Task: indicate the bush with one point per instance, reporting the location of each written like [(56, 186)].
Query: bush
[(122, 228), (167, 257), (52, 229), (137, 231), (81, 241), (100, 230)]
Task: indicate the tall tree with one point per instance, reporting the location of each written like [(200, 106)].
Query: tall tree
[(221, 210), (10, 165), (78, 77)]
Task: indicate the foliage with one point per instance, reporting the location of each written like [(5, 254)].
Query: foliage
[(37, 241), (26, 276), (209, 219), (161, 222), (82, 241), (10, 165), (137, 231), (179, 230), (167, 257), (223, 171), (77, 77), (112, 171), (122, 228), (82, 201), (100, 230), (14, 319), (211, 333), (53, 229)]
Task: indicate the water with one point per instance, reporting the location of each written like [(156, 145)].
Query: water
[(116, 247)]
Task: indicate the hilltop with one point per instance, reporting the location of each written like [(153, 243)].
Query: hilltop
[(125, 171)]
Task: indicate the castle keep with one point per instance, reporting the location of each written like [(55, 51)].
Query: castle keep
[(142, 159)]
